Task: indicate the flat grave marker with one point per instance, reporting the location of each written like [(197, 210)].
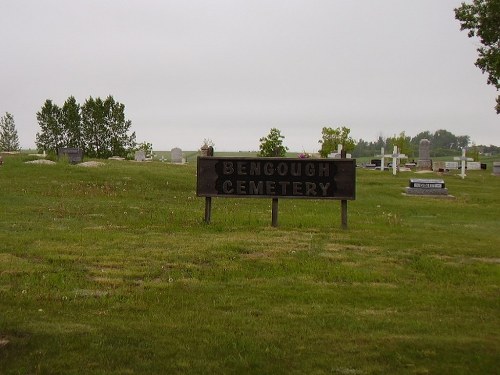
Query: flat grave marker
[(427, 187)]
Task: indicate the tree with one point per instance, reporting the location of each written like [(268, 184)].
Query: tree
[(71, 121), (402, 142), (331, 138), (118, 127), (482, 19), (51, 136), (8, 133), (98, 127), (272, 144)]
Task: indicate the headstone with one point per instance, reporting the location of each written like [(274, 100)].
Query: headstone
[(496, 168), (176, 155), (204, 150), (473, 166), (423, 186), (74, 155), (424, 162), (338, 154), (444, 166), (140, 155)]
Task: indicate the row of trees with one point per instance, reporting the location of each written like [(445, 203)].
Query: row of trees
[(9, 141), (443, 143), (98, 127)]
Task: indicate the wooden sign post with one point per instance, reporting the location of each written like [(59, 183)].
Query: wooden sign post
[(276, 178)]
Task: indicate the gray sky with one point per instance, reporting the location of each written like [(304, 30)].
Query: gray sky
[(230, 70)]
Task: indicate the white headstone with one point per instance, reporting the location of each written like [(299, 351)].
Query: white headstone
[(338, 154), (140, 155), (473, 166)]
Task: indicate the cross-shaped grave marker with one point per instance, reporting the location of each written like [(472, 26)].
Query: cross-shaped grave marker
[(383, 156), (395, 157), (338, 154), (463, 159)]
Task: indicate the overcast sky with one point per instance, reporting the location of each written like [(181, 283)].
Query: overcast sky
[(230, 70)]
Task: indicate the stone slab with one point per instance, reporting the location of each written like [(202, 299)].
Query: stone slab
[(426, 183), (426, 191)]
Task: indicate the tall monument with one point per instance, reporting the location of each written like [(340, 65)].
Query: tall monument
[(424, 162)]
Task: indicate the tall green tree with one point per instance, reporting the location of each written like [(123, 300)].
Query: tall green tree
[(403, 142), (482, 20), (105, 129), (9, 140), (272, 144), (93, 127), (331, 138), (71, 121), (51, 135), (118, 127)]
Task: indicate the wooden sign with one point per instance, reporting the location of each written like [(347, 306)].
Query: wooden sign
[(276, 178)]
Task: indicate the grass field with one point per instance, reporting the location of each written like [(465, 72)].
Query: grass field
[(111, 270)]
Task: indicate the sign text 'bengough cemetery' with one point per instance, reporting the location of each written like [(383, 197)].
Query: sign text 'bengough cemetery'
[(276, 177)]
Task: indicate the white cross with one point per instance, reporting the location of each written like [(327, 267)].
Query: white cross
[(395, 157), (383, 156), (463, 159)]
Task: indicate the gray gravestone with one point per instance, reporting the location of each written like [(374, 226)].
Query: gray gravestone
[(74, 155), (496, 168), (425, 186), (176, 155), (424, 162), (140, 155)]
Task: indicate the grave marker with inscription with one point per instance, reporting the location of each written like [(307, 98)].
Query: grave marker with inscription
[(176, 155), (424, 162), (74, 155), (426, 187)]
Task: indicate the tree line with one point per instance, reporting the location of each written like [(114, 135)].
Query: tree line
[(443, 143), (98, 127)]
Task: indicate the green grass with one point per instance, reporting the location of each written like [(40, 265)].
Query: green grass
[(112, 270)]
